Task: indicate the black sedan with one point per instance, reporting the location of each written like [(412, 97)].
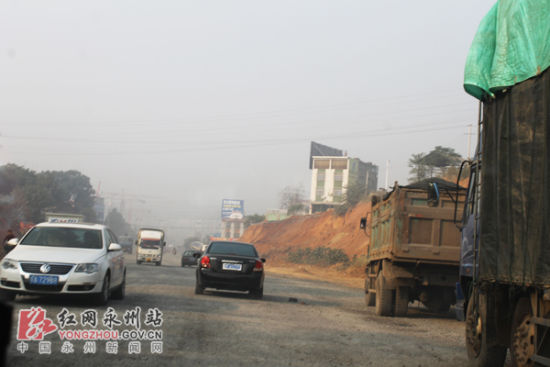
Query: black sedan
[(231, 266), (190, 258)]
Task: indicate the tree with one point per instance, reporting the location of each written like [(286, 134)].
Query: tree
[(435, 163), (418, 170), (61, 191), (355, 192), (292, 199), (71, 191), (440, 158), (253, 219), (117, 223)]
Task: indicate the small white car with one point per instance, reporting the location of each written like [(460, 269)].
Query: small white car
[(54, 258)]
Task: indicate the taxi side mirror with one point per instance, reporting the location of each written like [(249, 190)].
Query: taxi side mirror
[(363, 223), (12, 242), (114, 247)]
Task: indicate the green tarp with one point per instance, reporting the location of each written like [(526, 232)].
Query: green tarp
[(512, 44)]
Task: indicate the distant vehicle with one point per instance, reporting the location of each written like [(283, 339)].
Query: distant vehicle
[(198, 246), (414, 248), (150, 245), (190, 257), (127, 243), (59, 258), (231, 266)]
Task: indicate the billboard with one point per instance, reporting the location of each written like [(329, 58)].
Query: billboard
[(232, 209)]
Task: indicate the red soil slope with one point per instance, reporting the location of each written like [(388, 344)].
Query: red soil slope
[(275, 239)]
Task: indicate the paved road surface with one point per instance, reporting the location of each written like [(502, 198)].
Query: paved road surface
[(327, 326)]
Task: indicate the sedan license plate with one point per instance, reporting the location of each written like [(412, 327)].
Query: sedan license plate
[(232, 266), (43, 279)]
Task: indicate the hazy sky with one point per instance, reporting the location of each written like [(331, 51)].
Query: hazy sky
[(183, 103)]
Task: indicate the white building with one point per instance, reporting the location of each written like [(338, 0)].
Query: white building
[(331, 175)]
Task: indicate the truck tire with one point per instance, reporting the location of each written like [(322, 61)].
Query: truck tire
[(384, 297), (370, 299), (522, 335), (482, 352), (401, 301)]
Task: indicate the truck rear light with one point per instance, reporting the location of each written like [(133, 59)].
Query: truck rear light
[(258, 266), (205, 262)]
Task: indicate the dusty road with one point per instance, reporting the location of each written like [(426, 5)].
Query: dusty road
[(327, 326)]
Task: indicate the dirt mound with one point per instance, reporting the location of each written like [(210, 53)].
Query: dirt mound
[(275, 239)]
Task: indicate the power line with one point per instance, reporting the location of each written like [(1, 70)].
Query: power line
[(216, 146)]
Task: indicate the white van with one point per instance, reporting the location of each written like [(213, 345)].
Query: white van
[(149, 246)]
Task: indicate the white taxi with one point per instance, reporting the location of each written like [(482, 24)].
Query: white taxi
[(55, 258)]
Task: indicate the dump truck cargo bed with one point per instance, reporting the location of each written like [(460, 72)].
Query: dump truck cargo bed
[(406, 228)]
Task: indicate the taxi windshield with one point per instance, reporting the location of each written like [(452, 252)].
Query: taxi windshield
[(64, 237)]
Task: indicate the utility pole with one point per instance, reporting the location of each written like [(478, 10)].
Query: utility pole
[(386, 186)]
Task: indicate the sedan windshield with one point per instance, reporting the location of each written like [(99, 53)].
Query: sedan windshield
[(64, 237), (228, 248)]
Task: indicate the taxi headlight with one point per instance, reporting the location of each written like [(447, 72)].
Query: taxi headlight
[(87, 268)]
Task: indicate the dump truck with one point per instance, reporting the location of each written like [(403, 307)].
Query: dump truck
[(414, 248), (505, 265)]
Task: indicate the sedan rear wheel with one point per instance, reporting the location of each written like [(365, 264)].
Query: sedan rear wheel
[(198, 288), (257, 293)]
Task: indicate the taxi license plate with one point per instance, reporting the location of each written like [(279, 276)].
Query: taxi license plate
[(232, 266), (43, 279)]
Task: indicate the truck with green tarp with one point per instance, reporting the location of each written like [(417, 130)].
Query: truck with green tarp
[(505, 262), (414, 247)]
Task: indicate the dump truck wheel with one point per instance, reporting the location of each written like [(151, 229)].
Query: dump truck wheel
[(481, 351), (522, 336), (370, 299), (401, 301), (384, 297)]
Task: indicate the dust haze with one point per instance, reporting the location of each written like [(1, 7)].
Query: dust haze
[(171, 107)]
